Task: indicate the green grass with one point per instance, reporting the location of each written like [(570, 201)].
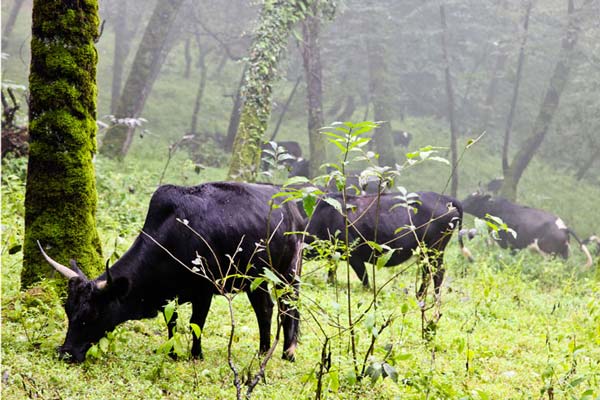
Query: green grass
[(522, 323)]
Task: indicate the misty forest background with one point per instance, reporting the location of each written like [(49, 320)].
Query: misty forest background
[(488, 67)]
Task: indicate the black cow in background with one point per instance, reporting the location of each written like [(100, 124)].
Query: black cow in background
[(402, 138), (169, 260), (433, 216), (537, 229)]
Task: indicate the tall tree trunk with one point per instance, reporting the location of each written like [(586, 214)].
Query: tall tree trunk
[(380, 95), (348, 110), (548, 108), (311, 56), (277, 17), (10, 22), (489, 106), (285, 108), (200, 94), (236, 112), (450, 96), (61, 199), (122, 43), (588, 164), (148, 60), (513, 103), (188, 58)]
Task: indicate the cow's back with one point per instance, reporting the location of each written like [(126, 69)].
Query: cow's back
[(219, 220)]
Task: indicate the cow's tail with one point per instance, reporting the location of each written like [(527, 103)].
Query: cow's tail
[(584, 248), (465, 252)]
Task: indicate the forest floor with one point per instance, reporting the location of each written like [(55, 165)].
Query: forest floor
[(512, 326)]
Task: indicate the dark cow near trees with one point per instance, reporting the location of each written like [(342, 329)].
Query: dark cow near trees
[(426, 224), (537, 229), (194, 240)]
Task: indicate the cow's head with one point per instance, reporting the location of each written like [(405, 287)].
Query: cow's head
[(93, 308), (476, 204)]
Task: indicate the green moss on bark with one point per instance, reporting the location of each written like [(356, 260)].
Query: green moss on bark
[(277, 19), (61, 199)]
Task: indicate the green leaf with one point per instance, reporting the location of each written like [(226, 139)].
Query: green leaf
[(256, 282), (333, 203), (196, 331), (92, 352), (270, 276), (390, 372), (168, 311), (296, 180), (383, 259), (103, 344), (309, 202)]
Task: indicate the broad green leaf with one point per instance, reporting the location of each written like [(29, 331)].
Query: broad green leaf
[(168, 311), (333, 203), (256, 282), (196, 331), (270, 275)]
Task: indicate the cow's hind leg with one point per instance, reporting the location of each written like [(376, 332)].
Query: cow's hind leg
[(358, 266), (199, 312), (263, 308)]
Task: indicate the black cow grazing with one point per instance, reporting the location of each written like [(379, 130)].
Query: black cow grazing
[(537, 229), (192, 238), (402, 138), (433, 217), (299, 167)]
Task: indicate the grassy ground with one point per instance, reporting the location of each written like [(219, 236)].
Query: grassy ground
[(512, 327)]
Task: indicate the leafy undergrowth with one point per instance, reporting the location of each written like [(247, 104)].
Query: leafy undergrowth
[(512, 326)]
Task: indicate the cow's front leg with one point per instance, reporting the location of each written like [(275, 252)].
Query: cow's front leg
[(171, 325), (200, 309)]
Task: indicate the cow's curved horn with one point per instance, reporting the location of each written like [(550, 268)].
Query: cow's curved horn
[(65, 271)]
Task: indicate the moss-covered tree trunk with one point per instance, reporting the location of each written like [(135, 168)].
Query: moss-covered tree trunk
[(549, 106), (276, 20), (379, 89), (148, 60), (60, 200), (311, 55)]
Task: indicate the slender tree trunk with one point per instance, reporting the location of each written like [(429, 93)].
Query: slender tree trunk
[(188, 58), (200, 94), (122, 42), (61, 199), (348, 110), (588, 164), (271, 39), (489, 106), (513, 103), (311, 55), (286, 106), (558, 81), (146, 65), (236, 112), (10, 22), (380, 95), (450, 96)]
